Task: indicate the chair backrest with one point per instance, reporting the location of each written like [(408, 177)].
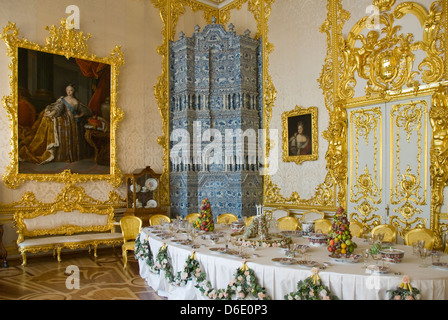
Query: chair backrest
[(323, 225), (158, 219), (389, 231), (130, 227), (356, 228), (312, 215), (192, 217), (288, 223), (279, 213), (226, 218), (249, 220), (420, 234)]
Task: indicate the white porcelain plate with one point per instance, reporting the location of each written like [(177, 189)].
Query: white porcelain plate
[(285, 261), (151, 204), (151, 184), (440, 266)]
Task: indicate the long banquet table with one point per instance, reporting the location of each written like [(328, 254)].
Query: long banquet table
[(347, 281)]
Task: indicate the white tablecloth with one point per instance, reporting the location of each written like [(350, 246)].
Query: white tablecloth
[(346, 281)]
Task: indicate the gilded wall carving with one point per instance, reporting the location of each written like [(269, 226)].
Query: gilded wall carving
[(389, 63)]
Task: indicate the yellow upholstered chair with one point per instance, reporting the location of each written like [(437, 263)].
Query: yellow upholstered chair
[(420, 234), (192, 217), (323, 225), (356, 228), (158, 219), (249, 220), (227, 218), (312, 215), (130, 228), (389, 231), (288, 223)]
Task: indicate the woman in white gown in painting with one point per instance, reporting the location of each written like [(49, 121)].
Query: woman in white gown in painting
[(58, 133)]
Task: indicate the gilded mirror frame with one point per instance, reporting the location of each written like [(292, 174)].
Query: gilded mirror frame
[(70, 43)]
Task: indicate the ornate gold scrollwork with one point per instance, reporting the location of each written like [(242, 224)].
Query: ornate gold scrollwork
[(438, 115), (386, 59), (336, 155)]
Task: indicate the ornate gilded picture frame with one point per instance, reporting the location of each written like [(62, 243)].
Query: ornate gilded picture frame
[(62, 109), (299, 135)]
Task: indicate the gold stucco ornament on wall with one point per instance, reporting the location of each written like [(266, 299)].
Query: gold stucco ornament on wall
[(67, 47)]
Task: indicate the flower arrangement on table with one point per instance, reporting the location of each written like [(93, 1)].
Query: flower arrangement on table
[(311, 289), (405, 291)]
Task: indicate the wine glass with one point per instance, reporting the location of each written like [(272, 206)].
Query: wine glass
[(366, 255), (421, 244), (377, 257), (424, 253), (302, 250), (194, 236), (227, 240)]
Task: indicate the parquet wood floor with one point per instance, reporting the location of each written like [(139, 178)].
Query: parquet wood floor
[(101, 278)]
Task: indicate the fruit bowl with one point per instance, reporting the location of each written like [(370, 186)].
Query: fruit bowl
[(318, 239), (392, 255)]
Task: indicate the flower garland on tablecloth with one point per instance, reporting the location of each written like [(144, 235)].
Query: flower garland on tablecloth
[(243, 284), (163, 263), (311, 289), (405, 291), (142, 251), (192, 270)]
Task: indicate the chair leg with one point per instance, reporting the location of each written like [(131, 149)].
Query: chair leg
[(125, 258), (58, 249), (23, 253)]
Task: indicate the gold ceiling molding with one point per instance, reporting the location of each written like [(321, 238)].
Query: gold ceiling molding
[(71, 44)]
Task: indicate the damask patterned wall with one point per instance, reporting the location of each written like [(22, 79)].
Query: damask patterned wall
[(214, 90)]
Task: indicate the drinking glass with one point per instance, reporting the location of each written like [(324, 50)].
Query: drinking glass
[(377, 257), (424, 253), (415, 248), (435, 256), (421, 244), (302, 251), (366, 255)]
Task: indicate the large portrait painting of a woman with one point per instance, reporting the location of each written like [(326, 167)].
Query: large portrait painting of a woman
[(63, 114), (299, 135)]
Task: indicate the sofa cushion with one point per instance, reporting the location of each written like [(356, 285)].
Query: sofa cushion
[(44, 241)]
